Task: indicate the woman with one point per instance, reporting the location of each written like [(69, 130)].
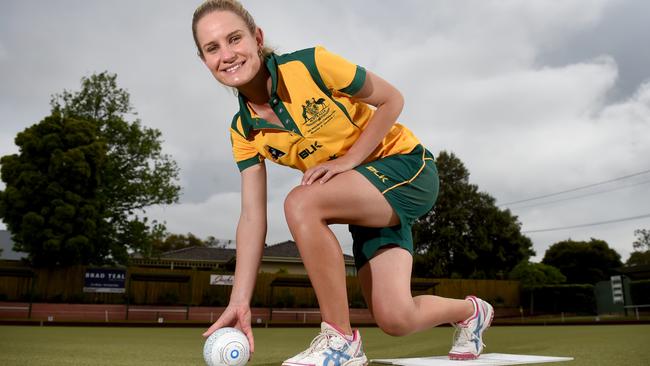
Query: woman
[(311, 110)]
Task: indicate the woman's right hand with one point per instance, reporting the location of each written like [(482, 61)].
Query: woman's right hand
[(236, 316)]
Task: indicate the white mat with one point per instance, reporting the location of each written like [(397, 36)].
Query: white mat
[(488, 359)]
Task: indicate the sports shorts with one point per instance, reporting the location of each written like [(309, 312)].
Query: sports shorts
[(410, 184)]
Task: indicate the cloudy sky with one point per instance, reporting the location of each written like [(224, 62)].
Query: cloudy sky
[(535, 97)]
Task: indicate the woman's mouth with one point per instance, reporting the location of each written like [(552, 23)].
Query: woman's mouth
[(233, 68)]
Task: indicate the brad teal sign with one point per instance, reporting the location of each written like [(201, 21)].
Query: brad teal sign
[(104, 280)]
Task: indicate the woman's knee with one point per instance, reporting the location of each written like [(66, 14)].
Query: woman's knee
[(393, 320), (298, 206)]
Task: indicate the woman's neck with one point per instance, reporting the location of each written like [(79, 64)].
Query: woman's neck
[(258, 90)]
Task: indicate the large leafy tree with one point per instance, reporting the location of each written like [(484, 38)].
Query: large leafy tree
[(583, 261), (137, 174), (51, 202), (465, 234), (134, 173)]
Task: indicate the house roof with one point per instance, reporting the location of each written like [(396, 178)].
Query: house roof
[(201, 253), (287, 249)]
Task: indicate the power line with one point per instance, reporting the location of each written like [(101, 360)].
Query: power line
[(583, 195), (575, 189), (590, 224)]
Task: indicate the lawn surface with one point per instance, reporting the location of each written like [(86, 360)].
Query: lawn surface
[(74, 346)]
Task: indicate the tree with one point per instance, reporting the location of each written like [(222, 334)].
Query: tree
[(642, 241), (583, 262), (535, 275), (78, 191), (146, 235), (465, 234), (532, 275), (136, 174), (638, 259), (213, 242), (169, 242), (179, 241), (51, 201), (641, 253)]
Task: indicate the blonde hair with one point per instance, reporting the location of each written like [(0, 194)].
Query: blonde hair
[(233, 6)]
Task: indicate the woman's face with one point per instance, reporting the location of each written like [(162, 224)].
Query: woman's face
[(230, 51)]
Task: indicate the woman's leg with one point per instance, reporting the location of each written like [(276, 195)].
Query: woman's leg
[(386, 285), (348, 198)]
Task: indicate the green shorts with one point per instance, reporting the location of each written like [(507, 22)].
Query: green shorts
[(410, 184)]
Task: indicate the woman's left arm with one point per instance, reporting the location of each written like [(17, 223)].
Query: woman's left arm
[(389, 102)]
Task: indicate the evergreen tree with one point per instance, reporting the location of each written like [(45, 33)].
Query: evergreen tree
[(51, 203), (466, 234), (583, 261)]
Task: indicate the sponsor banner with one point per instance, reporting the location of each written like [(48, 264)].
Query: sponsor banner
[(223, 280), (109, 280)]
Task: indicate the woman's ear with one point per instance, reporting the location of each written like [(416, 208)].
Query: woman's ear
[(259, 37)]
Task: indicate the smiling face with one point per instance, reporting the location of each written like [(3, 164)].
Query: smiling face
[(228, 48)]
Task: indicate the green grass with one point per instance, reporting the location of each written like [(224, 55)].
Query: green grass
[(59, 346)]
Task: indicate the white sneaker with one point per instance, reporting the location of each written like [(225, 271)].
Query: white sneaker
[(331, 348), (468, 338)]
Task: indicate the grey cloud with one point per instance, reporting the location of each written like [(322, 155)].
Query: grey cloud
[(521, 91)]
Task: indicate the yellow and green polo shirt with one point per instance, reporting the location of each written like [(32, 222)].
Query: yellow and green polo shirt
[(312, 94)]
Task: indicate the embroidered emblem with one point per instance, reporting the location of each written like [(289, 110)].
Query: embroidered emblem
[(314, 110), (275, 153)]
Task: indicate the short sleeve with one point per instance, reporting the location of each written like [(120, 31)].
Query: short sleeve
[(338, 73), (243, 151)]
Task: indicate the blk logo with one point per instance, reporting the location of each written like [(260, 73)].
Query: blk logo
[(377, 173), (304, 154)]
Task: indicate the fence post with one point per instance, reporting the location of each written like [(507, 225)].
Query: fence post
[(31, 295), (128, 296)]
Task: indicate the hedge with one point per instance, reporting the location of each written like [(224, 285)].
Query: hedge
[(576, 298)]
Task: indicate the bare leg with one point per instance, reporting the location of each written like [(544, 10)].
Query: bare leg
[(386, 285), (347, 198)]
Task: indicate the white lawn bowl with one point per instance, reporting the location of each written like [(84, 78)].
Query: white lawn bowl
[(226, 347)]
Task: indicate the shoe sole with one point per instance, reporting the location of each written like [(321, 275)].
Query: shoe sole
[(471, 356), (360, 362)]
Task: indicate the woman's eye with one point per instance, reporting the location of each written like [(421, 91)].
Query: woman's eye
[(235, 39)]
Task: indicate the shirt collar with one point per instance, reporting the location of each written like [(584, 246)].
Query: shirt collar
[(247, 121)]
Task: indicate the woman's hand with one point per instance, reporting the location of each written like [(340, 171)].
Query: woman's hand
[(236, 316), (325, 171)]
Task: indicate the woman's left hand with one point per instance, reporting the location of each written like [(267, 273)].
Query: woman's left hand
[(325, 171)]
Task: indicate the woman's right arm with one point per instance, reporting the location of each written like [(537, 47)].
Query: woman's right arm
[(251, 234)]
